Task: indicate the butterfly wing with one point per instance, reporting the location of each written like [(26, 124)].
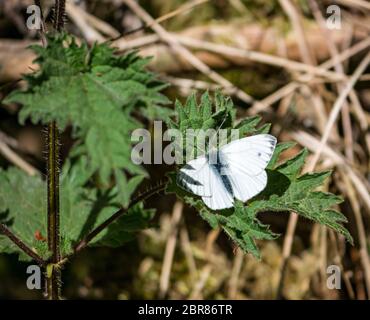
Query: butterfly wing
[(198, 177), (195, 176), (221, 195), (251, 153), (245, 161)]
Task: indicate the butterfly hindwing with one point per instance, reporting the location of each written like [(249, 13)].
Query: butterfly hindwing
[(245, 186), (221, 196)]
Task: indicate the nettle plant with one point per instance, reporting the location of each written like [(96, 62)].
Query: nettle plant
[(103, 97)]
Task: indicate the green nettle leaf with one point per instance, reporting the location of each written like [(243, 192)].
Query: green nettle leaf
[(97, 93), (195, 118), (287, 190), (124, 229), (23, 209)]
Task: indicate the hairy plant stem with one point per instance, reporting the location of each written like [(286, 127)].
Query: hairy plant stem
[(53, 282), (59, 14)]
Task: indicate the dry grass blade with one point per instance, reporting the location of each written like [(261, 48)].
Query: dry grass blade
[(123, 45), (337, 107), (196, 292), (346, 120), (9, 154), (77, 16), (235, 273), (170, 250), (337, 259), (290, 87), (185, 53), (296, 22), (185, 8), (97, 23), (279, 94), (259, 57), (187, 85), (360, 4), (186, 247), (307, 58)]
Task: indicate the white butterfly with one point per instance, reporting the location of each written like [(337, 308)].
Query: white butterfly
[(236, 170)]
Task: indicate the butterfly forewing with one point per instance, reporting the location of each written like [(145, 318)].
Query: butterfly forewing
[(195, 177), (250, 154)]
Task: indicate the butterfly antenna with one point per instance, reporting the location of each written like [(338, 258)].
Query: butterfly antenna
[(219, 127), (222, 123)]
